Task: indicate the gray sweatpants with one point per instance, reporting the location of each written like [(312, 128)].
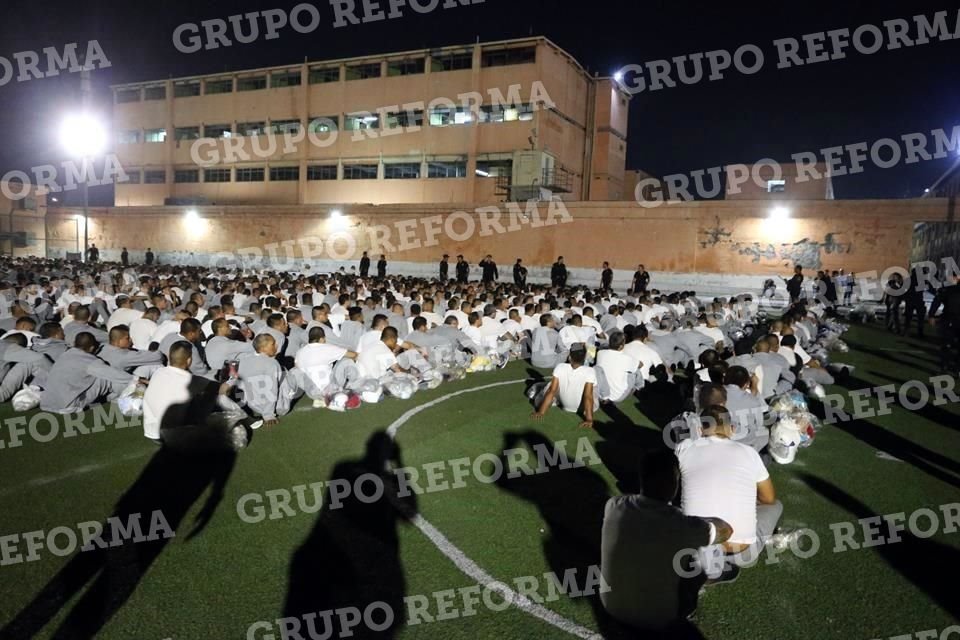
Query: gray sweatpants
[(634, 382)]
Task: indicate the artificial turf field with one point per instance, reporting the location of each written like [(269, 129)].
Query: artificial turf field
[(219, 574)]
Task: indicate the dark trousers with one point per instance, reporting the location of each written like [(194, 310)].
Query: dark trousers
[(949, 345), (893, 315), (914, 307)]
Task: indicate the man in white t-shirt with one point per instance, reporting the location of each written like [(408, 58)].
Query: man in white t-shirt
[(316, 359), (572, 388), (726, 479), (644, 353), (378, 359), (125, 313), (616, 371)]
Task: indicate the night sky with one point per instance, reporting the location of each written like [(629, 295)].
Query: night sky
[(773, 113)]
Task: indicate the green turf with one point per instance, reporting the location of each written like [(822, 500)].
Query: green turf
[(232, 574)]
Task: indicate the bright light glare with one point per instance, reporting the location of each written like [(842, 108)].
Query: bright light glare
[(82, 135), (618, 76), (337, 220), (779, 214), (192, 215)]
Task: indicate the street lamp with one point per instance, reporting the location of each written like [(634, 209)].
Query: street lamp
[(83, 137)]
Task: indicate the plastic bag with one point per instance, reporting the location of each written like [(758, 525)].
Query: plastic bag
[(26, 399), (130, 401)]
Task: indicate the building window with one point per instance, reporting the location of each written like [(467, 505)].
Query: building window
[(133, 176), (250, 174), (322, 172), (360, 172), (323, 124), (128, 95), (220, 85), (285, 126), (401, 171), (447, 169), (451, 62), (216, 175), (505, 57), (129, 136), (155, 176), (323, 75), (405, 67), (186, 89), (443, 116), (155, 93), (404, 119), (186, 133), (285, 79), (361, 121), (251, 128), (252, 83), (217, 131), (284, 174), (182, 176), (494, 168), (506, 113), (155, 135), (363, 71), (776, 186)]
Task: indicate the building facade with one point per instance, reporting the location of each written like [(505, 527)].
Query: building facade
[(489, 122), (23, 210)]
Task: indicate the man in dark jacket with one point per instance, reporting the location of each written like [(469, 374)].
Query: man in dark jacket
[(463, 270), (364, 265), (606, 277), (558, 273), (490, 272), (519, 274), (949, 322), (444, 268), (382, 266)]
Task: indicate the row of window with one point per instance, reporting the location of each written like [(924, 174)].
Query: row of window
[(439, 117), (433, 169), (323, 75)]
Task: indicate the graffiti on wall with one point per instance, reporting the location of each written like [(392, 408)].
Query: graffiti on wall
[(806, 252)]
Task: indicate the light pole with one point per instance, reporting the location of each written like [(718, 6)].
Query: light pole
[(84, 137)]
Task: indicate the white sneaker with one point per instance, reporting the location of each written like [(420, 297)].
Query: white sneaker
[(319, 404), (256, 424)]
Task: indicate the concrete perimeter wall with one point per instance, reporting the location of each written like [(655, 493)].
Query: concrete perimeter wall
[(713, 245)]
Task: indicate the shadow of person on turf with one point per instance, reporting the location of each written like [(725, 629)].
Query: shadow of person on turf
[(922, 561), (571, 501), (169, 486), (351, 559)]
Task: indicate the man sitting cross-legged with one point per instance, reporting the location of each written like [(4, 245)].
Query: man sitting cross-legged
[(79, 379), (572, 387), (726, 479), (617, 372), (642, 536), (120, 354)]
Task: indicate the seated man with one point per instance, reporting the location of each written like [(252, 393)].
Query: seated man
[(79, 379), (640, 350), (143, 328), (746, 408), (642, 535), (20, 365), (222, 347), (546, 352), (617, 376), (186, 411), (572, 388), (726, 479), (190, 330), (51, 342), (260, 379), (81, 323), (320, 363), (26, 326), (120, 354)]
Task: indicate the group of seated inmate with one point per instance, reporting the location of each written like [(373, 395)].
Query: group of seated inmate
[(78, 336)]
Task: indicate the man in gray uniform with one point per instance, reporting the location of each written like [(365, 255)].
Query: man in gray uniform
[(191, 332), (746, 409), (546, 351), (80, 379), (80, 324), (120, 354), (221, 347), (51, 342), (19, 365)]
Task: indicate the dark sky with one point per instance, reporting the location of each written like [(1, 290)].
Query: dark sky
[(773, 113)]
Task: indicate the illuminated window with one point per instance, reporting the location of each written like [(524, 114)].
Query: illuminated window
[(155, 135)]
